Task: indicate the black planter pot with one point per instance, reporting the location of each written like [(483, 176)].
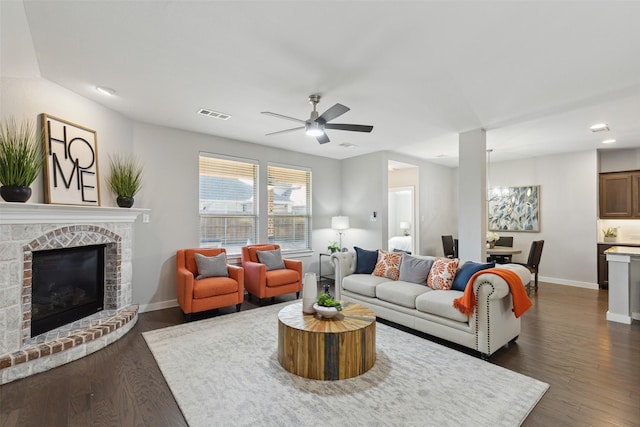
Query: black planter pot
[(15, 193), (124, 202)]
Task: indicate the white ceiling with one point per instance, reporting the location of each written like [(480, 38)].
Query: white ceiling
[(535, 74)]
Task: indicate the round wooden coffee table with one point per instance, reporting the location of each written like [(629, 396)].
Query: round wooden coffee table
[(327, 349)]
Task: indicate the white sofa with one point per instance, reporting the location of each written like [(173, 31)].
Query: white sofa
[(491, 326)]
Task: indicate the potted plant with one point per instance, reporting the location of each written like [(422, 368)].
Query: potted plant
[(610, 234), (20, 159), (491, 238), (333, 247), (326, 306), (125, 179)]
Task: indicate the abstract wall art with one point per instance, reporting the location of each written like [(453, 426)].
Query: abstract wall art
[(514, 208)]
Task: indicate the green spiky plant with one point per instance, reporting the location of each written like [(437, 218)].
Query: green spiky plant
[(125, 178), (20, 156)]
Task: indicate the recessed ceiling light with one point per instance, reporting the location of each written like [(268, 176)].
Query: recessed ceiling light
[(214, 114), (347, 145), (608, 141), (599, 127), (105, 90)]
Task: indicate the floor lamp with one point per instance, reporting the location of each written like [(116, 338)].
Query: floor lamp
[(340, 223)]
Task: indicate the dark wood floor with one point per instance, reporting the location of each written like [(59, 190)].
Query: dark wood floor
[(593, 367)]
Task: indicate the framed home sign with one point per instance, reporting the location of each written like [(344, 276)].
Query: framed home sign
[(71, 164), (514, 208)]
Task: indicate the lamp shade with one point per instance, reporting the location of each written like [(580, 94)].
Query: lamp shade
[(404, 225), (339, 222)]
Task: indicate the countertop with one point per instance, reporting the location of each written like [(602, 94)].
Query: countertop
[(630, 243), (623, 250)]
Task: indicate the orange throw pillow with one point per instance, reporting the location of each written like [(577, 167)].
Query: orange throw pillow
[(388, 264), (442, 273)]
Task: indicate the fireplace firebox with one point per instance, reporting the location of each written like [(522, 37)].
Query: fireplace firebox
[(67, 285)]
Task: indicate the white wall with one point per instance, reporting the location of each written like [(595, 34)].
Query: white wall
[(27, 98), (365, 190), (568, 213), (170, 186), (171, 191)]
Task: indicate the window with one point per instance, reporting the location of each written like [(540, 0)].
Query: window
[(228, 202), (289, 207)]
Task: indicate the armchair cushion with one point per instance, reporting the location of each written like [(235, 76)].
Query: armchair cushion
[(211, 266), (272, 259)]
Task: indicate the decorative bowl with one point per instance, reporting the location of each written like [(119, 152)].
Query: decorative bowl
[(326, 312)]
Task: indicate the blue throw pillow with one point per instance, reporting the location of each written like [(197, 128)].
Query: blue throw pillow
[(467, 270), (365, 260)]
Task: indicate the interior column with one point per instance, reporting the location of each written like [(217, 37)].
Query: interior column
[(472, 195)]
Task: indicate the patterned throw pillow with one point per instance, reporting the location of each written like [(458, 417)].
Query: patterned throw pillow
[(388, 265), (442, 273)]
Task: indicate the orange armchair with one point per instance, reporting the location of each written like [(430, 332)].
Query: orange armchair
[(195, 295), (263, 283)]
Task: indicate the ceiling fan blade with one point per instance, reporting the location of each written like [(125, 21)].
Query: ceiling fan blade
[(285, 131), (333, 112), (323, 139), (354, 128), (280, 116)]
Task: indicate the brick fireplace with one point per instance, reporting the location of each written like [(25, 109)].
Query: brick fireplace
[(27, 228)]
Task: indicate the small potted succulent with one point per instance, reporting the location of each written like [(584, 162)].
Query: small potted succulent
[(125, 179), (20, 159), (610, 234), (326, 306)]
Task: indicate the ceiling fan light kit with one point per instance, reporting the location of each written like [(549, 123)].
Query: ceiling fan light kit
[(316, 124)]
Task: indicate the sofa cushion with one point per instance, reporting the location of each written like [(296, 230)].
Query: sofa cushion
[(363, 284), (365, 260), (442, 273), (388, 264), (400, 293), (466, 271), (414, 270), (440, 303), (272, 259), (211, 266)]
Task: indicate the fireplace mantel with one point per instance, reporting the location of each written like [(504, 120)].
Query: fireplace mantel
[(39, 213)]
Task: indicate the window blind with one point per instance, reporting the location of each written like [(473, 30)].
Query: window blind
[(289, 207), (228, 202)]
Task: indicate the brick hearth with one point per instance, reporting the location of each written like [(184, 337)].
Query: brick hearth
[(26, 228)]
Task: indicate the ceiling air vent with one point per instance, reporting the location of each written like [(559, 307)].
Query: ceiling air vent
[(214, 114)]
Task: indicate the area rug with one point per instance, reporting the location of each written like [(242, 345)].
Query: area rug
[(224, 371)]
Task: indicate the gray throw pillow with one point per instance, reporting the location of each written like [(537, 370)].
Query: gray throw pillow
[(414, 270), (211, 266), (272, 259)]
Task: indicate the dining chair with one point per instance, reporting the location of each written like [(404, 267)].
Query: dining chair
[(533, 262), (502, 241), (448, 246)]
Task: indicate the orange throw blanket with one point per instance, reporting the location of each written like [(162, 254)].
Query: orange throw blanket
[(521, 302)]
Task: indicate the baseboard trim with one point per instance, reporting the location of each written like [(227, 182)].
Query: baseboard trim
[(566, 282), (143, 308)]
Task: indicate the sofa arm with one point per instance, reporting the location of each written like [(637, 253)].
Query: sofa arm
[(344, 264), (500, 288), (237, 273), (184, 289), (294, 264), (254, 275)]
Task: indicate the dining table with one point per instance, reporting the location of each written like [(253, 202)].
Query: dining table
[(503, 251)]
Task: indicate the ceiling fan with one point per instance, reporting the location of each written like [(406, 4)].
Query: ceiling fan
[(316, 124)]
